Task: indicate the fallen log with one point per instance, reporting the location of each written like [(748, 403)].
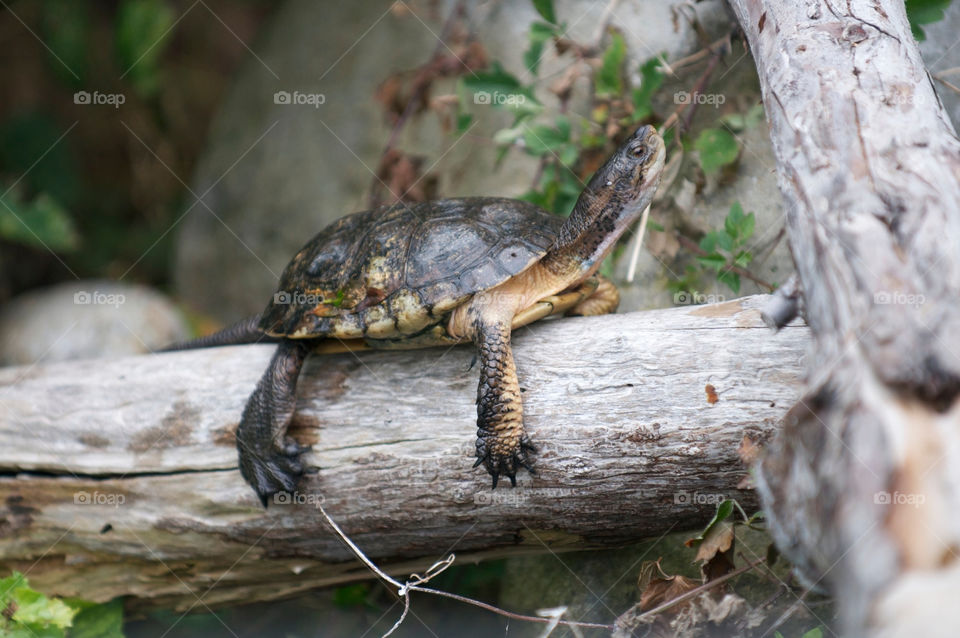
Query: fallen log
[(861, 488), (120, 477)]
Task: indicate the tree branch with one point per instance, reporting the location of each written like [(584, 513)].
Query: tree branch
[(129, 466)]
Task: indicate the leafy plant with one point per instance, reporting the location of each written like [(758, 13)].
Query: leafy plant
[(725, 248), (609, 77), (540, 34), (717, 148), (41, 222), (27, 613), (143, 30), (651, 79), (570, 146), (545, 9)]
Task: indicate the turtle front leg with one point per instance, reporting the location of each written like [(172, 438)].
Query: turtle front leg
[(269, 459), (502, 443)]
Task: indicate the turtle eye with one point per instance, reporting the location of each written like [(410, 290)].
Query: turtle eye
[(638, 151)]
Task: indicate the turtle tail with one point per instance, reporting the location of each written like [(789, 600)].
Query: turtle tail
[(245, 331)]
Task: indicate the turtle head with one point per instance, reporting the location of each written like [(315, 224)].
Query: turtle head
[(615, 197), (631, 175)]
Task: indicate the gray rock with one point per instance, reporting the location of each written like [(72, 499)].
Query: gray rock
[(87, 319), (275, 174)]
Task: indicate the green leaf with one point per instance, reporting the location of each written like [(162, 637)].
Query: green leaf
[(924, 12), (540, 33), (717, 148), (650, 80), (733, 220), (816, 632), (500, 89), (99, 621), (31, 630), (747, 226), (42, 223), (542, 139), (730, 279), (709, 241), (652, 225), (742, 121), (142, 33), (463, 122), (545, 9), (40, 615), (508, 135), (743, 259), (9, 585), (569, 155), (608, 78), (714, 261), (725, 241)]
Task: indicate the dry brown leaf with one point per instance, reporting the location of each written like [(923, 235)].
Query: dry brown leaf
[(718, 539), (662, 590), (748, 451)]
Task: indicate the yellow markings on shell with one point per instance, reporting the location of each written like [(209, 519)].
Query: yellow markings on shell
[(300, 333), (347, 327), (409, 311), (379, 273), (379, 323)]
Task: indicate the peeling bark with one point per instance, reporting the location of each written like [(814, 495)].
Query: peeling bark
[(869, 166), (120, 477)]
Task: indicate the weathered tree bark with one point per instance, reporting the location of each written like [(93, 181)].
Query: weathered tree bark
[(869, 166), (119, 477)]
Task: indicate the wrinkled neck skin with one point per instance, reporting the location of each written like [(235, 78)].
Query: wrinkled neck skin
[(593, 228)]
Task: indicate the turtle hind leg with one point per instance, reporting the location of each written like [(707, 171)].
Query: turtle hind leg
[(270, 460), (604, 300), (502, 442)]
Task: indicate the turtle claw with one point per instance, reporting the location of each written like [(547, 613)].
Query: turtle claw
[(273, 471), (505, 464)]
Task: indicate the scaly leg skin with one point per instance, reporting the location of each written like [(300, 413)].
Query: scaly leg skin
[(502, 443), (604, 300), (270, 460)]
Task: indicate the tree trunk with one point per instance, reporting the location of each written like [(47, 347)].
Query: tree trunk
[(862, 487), (128, 467)]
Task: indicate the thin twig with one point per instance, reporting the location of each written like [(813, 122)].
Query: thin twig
[(637, 244), (949, 85), (702, 84), (699, 55), (691, 107), (356, 551), (414, 584), (605, 21), (508, 614)]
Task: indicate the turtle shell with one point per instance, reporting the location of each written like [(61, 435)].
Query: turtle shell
[(393, 271)]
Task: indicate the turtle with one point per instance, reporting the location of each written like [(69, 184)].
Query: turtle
[(435, 273)]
